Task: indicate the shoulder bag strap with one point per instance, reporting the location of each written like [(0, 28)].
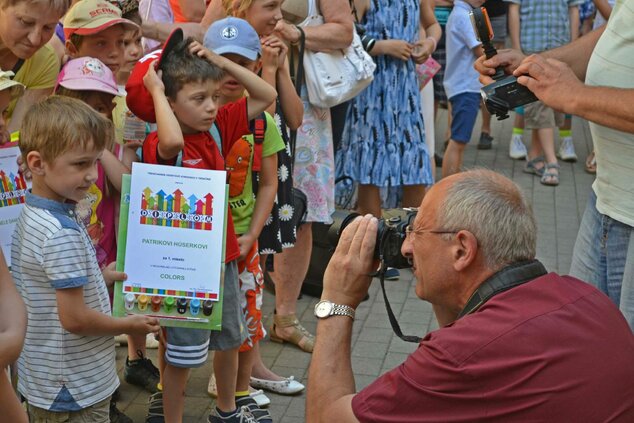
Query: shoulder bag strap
[(298, 80)]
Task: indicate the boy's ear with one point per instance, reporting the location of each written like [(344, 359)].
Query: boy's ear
[(35, 163), (71, 50), (258, 65)]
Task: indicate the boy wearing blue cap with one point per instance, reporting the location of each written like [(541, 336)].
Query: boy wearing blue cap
[(252, 167)]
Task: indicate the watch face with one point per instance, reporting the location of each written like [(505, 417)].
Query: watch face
[(323, 308)]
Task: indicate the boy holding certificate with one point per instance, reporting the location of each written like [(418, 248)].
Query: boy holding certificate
[(67, 368), (185, 103)]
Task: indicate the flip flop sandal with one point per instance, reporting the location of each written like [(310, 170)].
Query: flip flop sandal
[(550, 178), (530, 166)]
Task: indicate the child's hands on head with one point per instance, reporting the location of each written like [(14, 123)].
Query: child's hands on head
[(274, 52), (200, 50), (152, 79)]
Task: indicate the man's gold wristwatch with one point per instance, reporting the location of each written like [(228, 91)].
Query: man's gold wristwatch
[(325, 309)]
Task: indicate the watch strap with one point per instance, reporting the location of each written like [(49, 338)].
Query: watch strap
[(342, 310)]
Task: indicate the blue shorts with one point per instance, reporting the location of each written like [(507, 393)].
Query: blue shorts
[(464, 112)]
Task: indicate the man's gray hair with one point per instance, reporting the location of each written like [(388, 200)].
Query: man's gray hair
[(495, 211)]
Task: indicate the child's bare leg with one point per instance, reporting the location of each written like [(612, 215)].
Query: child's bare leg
[(161, 359), (174, 393), (226, 371), (136, 343), (245, 368), (452, 161)]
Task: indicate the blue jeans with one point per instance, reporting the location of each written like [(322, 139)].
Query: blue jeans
[(604, 256)]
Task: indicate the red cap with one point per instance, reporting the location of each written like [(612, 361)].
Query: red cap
[(138, 98)]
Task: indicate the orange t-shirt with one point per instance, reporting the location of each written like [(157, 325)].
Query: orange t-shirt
[(176, 9)]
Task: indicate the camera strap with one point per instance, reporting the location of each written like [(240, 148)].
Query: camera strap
[(390, 314), (509, 277)]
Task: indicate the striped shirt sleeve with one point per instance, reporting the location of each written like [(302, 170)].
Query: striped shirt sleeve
[(64, 259)]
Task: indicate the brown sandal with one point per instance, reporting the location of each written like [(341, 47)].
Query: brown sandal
[(300, 336)]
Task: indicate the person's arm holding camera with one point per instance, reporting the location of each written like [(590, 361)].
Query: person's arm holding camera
[(347, 278), (554, 82), (576, 55)]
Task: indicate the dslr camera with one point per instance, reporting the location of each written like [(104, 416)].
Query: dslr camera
[(389, 238), (505, 93)]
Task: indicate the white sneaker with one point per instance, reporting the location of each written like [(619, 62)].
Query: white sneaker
[(517, 149), (151, 342), (567, 150), (121, 340)]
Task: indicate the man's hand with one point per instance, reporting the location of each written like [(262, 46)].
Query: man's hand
[(509, 59), (347, 276), (110, 275), (552, 81), (152, 79), (139, 324)]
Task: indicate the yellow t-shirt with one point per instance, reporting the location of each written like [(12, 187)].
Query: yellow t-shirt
[(612, 65), (38, 72), (118, 117)]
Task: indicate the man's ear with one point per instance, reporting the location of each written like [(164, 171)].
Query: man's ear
[(71, 50), (465, 250), (35, 163)]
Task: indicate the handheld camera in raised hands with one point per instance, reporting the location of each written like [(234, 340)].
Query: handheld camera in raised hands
[(505, 93)]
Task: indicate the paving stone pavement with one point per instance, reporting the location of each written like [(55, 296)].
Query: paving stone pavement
[(375, 348)]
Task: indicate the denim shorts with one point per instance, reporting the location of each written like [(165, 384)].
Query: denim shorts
[(464, 112), (604, 256)]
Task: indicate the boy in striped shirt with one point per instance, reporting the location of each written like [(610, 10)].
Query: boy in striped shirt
[(67, 367)]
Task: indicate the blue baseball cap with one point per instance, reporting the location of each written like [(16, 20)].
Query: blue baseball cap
[(233, 35)]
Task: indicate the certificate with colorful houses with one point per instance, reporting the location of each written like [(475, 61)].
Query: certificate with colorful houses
[(174, 245), (13, 189)]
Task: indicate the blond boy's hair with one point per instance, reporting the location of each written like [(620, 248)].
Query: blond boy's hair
[(59, 6), (59, 124)]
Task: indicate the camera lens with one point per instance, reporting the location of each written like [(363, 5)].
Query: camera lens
[(368, 43)]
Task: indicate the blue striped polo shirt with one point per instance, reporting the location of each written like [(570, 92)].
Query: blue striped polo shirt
[(51, 250)]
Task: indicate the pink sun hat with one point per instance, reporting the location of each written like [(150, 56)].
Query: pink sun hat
[(87, 74)]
